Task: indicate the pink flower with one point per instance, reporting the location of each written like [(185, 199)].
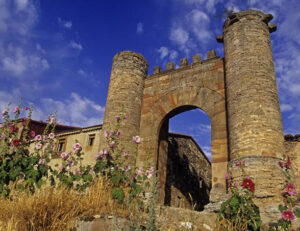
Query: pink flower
[(237, 163), (78, 171), (38, 138), (105, 152), (106, 134), (226, 176), (17, 109), (117, 118), (51, 136), (280, 163), (61, 167), (149, 172), (71, 163), (112, 144), (127, 168), (38, 146), (42, 162), (64, 155), (140, 171), (290, 188), (118, 134), (111, 133), (287, 215), (288, 162), (77, 147), (125, 118), (51, 119), (125, 154), (136, 139)]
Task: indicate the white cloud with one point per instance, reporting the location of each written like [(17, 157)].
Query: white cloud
[(165, 52), (39, 48), (21, 4), (139, 28), (82, 72), (74, 110), (286, 107), (65, 24), (198, 22), (207, 151), (16, 62), (178, 35), (76, 45)]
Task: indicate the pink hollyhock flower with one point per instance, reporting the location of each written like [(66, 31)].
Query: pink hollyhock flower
[(26, 108), (42, 162), (290, 188), (127, 168), (118, 134), (77, 147), (78, 171), (51, 136), (280, 163), (71, 163), (226, 176), (149, 173), (136, 139), (38, 146), (106, 134), (51, 119), (288, 162), (112, 144), (17, 109), (4, 112), (140, 171), (64, 155), (287, 215), (61, 167), (38, 138), (117, 118), (237, 163), (111, 133), (125, 154), (105, 152)]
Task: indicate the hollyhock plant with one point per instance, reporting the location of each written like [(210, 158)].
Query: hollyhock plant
[(290, 189), (287, 215)]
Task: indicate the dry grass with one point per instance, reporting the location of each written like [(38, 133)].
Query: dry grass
[(57, 209)]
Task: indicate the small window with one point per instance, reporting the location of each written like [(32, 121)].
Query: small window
[(61, 145), (91, 139)]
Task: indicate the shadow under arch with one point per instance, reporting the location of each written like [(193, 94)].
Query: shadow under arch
[(183, 168)]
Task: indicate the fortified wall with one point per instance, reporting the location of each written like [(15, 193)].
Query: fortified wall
[(239, 94)]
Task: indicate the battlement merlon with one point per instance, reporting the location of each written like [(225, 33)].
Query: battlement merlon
[(249, 15)]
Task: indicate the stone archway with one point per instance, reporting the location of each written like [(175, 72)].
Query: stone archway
[(188, 91)]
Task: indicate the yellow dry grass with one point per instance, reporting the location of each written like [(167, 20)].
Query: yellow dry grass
[(57, 209)]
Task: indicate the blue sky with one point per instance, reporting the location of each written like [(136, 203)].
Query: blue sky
[(57, 54)]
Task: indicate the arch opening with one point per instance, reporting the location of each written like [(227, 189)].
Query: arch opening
[(184, 167)]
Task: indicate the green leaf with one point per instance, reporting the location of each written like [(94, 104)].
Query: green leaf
[(281, 207), (118, 193), (297, 212), (234, 202)]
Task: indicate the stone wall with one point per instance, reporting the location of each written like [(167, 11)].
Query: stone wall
[(188, 175)]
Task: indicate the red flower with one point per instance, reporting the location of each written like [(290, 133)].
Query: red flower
[(16, 142), (280, 164), (248, 183), (24, 121), (32, 134), (26, 108)]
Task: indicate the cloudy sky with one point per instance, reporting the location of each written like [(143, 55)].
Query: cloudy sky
[(57, 54)]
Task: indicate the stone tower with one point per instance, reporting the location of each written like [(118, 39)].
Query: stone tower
[(126, 85), (253, 113)]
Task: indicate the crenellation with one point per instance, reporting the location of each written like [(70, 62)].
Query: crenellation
[(196, 59), (211, 54), (157, 70), (184, 62), (272, 28), (170, 66)]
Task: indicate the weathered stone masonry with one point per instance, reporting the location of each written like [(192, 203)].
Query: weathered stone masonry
[(238, 93)]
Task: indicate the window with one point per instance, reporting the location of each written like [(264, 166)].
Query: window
[(91, 139), (61, 145)]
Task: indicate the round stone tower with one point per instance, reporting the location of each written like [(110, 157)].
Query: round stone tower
[(125, 92), (254, 119)]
